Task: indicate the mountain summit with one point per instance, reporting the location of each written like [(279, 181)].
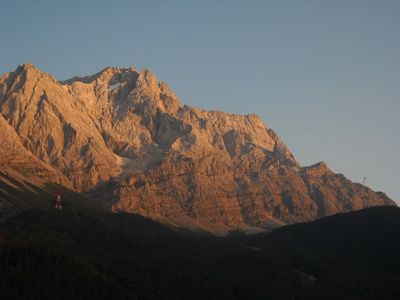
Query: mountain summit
[(124, 139)]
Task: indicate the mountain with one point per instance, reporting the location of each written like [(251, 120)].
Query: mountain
[(347, 256), (123, 139), (87, 254)]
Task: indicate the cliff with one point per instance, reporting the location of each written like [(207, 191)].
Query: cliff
[(125, 140)]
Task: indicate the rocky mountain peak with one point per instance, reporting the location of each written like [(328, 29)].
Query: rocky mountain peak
[(25, 68), (147, 80), (109, 75), (124, 138), (30, 72)]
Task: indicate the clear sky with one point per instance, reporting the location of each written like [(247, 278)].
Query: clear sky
[(325, 75)]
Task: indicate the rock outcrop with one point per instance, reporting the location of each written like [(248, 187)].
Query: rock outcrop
[(124, 138)]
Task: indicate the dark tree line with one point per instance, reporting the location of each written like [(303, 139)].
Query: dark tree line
[(84, 253)]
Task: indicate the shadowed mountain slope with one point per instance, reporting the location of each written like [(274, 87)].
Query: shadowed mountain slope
[(88, 254), (345, 256)]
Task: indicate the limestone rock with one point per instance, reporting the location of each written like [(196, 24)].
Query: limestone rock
[(124, 138), (55, 127)]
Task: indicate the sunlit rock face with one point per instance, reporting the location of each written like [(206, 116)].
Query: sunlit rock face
[(124, 138)]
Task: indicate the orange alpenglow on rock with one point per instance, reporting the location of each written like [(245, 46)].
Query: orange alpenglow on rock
[(125, 139)]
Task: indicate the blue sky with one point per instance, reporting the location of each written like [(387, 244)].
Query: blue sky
[(325, 75)]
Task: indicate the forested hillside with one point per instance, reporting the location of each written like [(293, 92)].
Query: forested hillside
[(92, 255), (89, 254)]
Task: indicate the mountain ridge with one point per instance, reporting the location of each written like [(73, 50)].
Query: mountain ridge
[(125, 140)]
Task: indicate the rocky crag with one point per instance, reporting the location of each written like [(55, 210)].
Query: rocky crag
[(124, 139)]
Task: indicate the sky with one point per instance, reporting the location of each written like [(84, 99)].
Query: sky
[(324, 75)]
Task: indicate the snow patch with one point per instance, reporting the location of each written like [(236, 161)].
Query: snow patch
[(113, 87), (122, 161), (139, 164)]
